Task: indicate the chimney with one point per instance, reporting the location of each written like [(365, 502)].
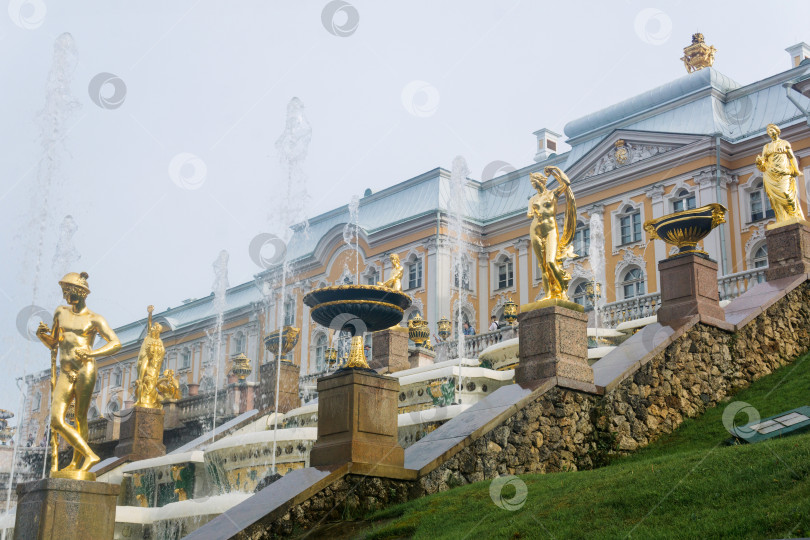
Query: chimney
[(797, 53), (546, 144)]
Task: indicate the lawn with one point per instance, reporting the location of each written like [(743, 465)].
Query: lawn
[(688, 484)]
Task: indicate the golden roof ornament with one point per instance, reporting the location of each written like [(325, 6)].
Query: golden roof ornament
[(698, 55), (622, 154)]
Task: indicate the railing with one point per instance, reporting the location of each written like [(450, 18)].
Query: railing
[(733, 285), (473, 345), (729, 287)]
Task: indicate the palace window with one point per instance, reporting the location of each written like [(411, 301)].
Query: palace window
[(289, 313), (240, 343), (582, 240), (581, 295), (93, 413), (684, 201), (506, 274), (630, 226), (415, 273), (371, 277), (185, 359), (117, 377), (761, 257), (37, 401), (462, 274), (320, 352), (760, 205), (633, 283)]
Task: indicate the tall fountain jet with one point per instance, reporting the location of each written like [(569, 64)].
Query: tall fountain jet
[(219, 288), (596, 256), (456, 204)]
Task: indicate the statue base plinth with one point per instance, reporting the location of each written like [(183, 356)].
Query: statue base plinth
[(63, 509), (548, 302), (421, 357), (357, 420), (86, 476), (141, 434), (389, 350), (788, 250), (553, 343), (688, 287)]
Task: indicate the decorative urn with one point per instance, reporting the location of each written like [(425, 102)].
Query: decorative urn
[(288, 336), (686, 228), (240, 366), (510, 311), (418, 330), (444, 328)]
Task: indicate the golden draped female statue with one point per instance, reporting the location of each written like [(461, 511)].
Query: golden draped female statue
[(780, 168), (551, 248), (150, 358), (75, 328)]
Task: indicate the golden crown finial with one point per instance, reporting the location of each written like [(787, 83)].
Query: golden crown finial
[(698, 55)]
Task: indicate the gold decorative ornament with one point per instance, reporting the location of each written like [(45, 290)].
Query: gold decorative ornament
[(357, 354), (428, 345), (289, 339), (395, 280), (330, 356), (444, 328), (510, 311), (698, 55), (74, 331), (240, 366), (780, 169), (622, 154), (168, 387), (686, 228), (550, 248), (418, 330), (150, 359)]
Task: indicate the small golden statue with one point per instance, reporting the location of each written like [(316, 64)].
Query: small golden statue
[(550, 250), (395, 281), (780, 168), (75, 328), (150, 359), (168, 387), (698, 55)]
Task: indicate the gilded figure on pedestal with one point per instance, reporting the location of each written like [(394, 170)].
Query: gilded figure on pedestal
[(780, 170), (550, 248), (74, 330), (395, 280), (150, 359)]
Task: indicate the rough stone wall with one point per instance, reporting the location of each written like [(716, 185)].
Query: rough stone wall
[(570, 430), (351, 496)]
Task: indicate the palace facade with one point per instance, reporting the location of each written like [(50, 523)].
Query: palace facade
[(685, 144)]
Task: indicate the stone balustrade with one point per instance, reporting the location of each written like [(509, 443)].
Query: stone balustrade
[(733, 285), (473, 345)]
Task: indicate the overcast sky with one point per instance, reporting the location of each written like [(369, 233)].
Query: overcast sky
[(391, 90)]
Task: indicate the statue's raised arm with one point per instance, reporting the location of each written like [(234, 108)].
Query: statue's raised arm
[(570, 222)]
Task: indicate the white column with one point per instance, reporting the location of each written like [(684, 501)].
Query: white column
[(656, 194), (305, 337), (483, 290), (522, 248), (431, 309), (707, 194), (442, 280)]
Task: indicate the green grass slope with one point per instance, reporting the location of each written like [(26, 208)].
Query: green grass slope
[(688, 484)]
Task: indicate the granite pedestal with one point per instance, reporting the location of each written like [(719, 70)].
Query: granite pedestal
[(553, 343), (389, 350), (688, 287), (141, 435), (357, 420), (265, 394), (788, 250), (62, 509), (420, 357)]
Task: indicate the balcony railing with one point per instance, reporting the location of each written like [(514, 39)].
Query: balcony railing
[(473, 345), (730, 286)]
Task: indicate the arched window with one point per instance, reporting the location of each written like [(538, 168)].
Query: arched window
[(184, 390), (761, 256), (633, 283), (582, 239), (581, 295), (504, 273), (371, 277), (630, 225), (684, 200), (320, 352), (113, 407), (760, 205), (413, 272), (239, 346), (92, 414)]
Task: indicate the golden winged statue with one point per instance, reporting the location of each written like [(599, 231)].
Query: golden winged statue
[(551, 248)]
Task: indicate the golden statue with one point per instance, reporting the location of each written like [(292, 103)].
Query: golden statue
[(168, 387), (550, 250), (75, 328), (698, 55), (150, 359), (395, 281), (780, 168)]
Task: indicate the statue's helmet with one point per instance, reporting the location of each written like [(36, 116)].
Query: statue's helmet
[(76, 281)]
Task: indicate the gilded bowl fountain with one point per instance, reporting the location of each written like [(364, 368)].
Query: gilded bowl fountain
[(686, 228)]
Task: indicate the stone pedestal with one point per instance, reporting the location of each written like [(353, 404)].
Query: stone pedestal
[(357, 420), (788, 250), (141, 434), (62, 509), (420, 357), (241, 397), (553, 343), (688, 287), (288, 398), (389, 350)]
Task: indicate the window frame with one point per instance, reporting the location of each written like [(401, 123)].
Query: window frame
[(637, 283)]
